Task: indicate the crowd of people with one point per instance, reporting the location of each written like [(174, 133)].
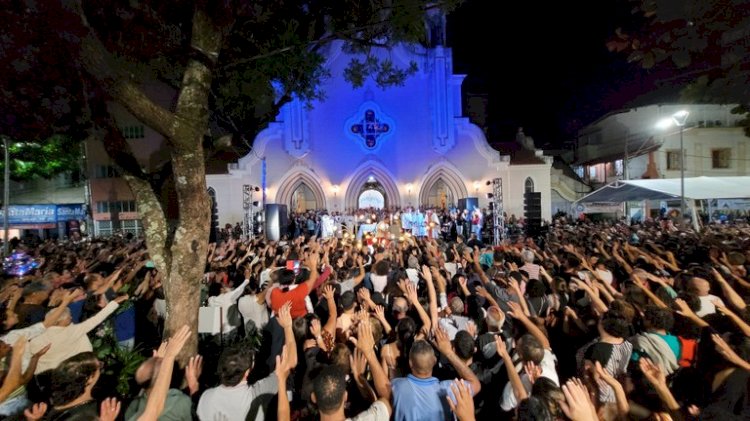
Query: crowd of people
[(595, 321)]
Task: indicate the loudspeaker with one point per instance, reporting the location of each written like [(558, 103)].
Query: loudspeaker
[(532, 211), (468, 203), (276, 222)]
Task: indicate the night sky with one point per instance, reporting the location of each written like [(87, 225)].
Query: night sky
[(545, 65)]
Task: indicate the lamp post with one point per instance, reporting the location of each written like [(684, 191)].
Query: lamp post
[(680, 118)]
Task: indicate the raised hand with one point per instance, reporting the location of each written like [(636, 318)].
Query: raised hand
[(109, 409), (471, 327), (177, 342), (411, 293), (516, 311), (652, 372), (284, 317), (284, 365), (442, 342), (315, 327), (364, 294), (365, 340), (37, 355), (533, 371), (193, 371), (577, 405), (380, 312), (358, 362), (464, 406), (329, 292), (36, 412)]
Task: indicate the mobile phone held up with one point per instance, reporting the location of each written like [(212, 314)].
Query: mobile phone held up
[(293, 265)]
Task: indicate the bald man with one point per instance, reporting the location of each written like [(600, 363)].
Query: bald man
[(420, 396)]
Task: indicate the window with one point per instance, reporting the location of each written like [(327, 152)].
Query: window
[(528, 185), (673, 160), (116, 206), (619, 168), (721, 158), (132, 226), (106, 171), (133, 132), (103, 228)]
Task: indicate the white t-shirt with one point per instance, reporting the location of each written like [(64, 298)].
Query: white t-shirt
[(379, 282), (234, 402), (378, 411), (549, 371), (252, 310)]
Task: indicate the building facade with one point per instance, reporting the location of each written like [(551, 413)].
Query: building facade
[(399, 147), (645, 143)]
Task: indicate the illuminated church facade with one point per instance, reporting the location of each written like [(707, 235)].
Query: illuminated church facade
[(402, 146)]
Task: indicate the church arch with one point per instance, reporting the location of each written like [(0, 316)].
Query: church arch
[(449, 178), (296, 180), (362, 176)]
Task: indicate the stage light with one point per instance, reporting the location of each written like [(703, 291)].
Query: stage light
[(257, 188), (490, 195), (255, 203), (488, 182)]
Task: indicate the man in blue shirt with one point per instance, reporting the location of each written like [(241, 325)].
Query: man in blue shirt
[(420, 396)]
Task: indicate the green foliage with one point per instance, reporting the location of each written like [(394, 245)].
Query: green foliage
[(45, 159), (119, 364), (703, 42)]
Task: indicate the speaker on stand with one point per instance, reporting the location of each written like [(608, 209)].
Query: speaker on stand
[(275, 220), (532, 211)]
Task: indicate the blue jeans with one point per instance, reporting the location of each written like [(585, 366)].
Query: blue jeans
[(14, 406)]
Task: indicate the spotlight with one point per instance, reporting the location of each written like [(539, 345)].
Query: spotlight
[(490, 195), (488, 182), (255, 203), (256, 188)]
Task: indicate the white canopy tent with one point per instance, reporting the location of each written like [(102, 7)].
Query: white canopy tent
[(696, 188)]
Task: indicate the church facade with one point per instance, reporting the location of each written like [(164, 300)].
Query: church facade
[(396, 147)]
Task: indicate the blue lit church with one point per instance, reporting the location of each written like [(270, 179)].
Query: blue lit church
[(402, 146)]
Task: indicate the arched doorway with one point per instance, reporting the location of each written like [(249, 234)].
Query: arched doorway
[(371, 171), (300, 190), (303, 199), (372, 195), (442, 187), (440, 195)]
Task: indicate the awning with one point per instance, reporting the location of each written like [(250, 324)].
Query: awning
[(696, 188)]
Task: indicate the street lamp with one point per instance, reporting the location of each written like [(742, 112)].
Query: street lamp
[(680, 118)]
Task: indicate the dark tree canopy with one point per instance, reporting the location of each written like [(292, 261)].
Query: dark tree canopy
[(705, 43), (272, 50)]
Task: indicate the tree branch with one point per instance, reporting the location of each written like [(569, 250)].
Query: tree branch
[(96, 61)]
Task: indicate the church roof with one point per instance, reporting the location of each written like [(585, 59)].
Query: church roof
[(518, 154)]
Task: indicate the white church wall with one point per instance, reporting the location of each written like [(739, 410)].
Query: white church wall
[(316, 146)]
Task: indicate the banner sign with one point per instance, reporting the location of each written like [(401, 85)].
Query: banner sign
[(599, 207), (75, 212), (43, 214)]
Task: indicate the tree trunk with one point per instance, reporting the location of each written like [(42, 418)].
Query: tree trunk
[(182, 257)]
